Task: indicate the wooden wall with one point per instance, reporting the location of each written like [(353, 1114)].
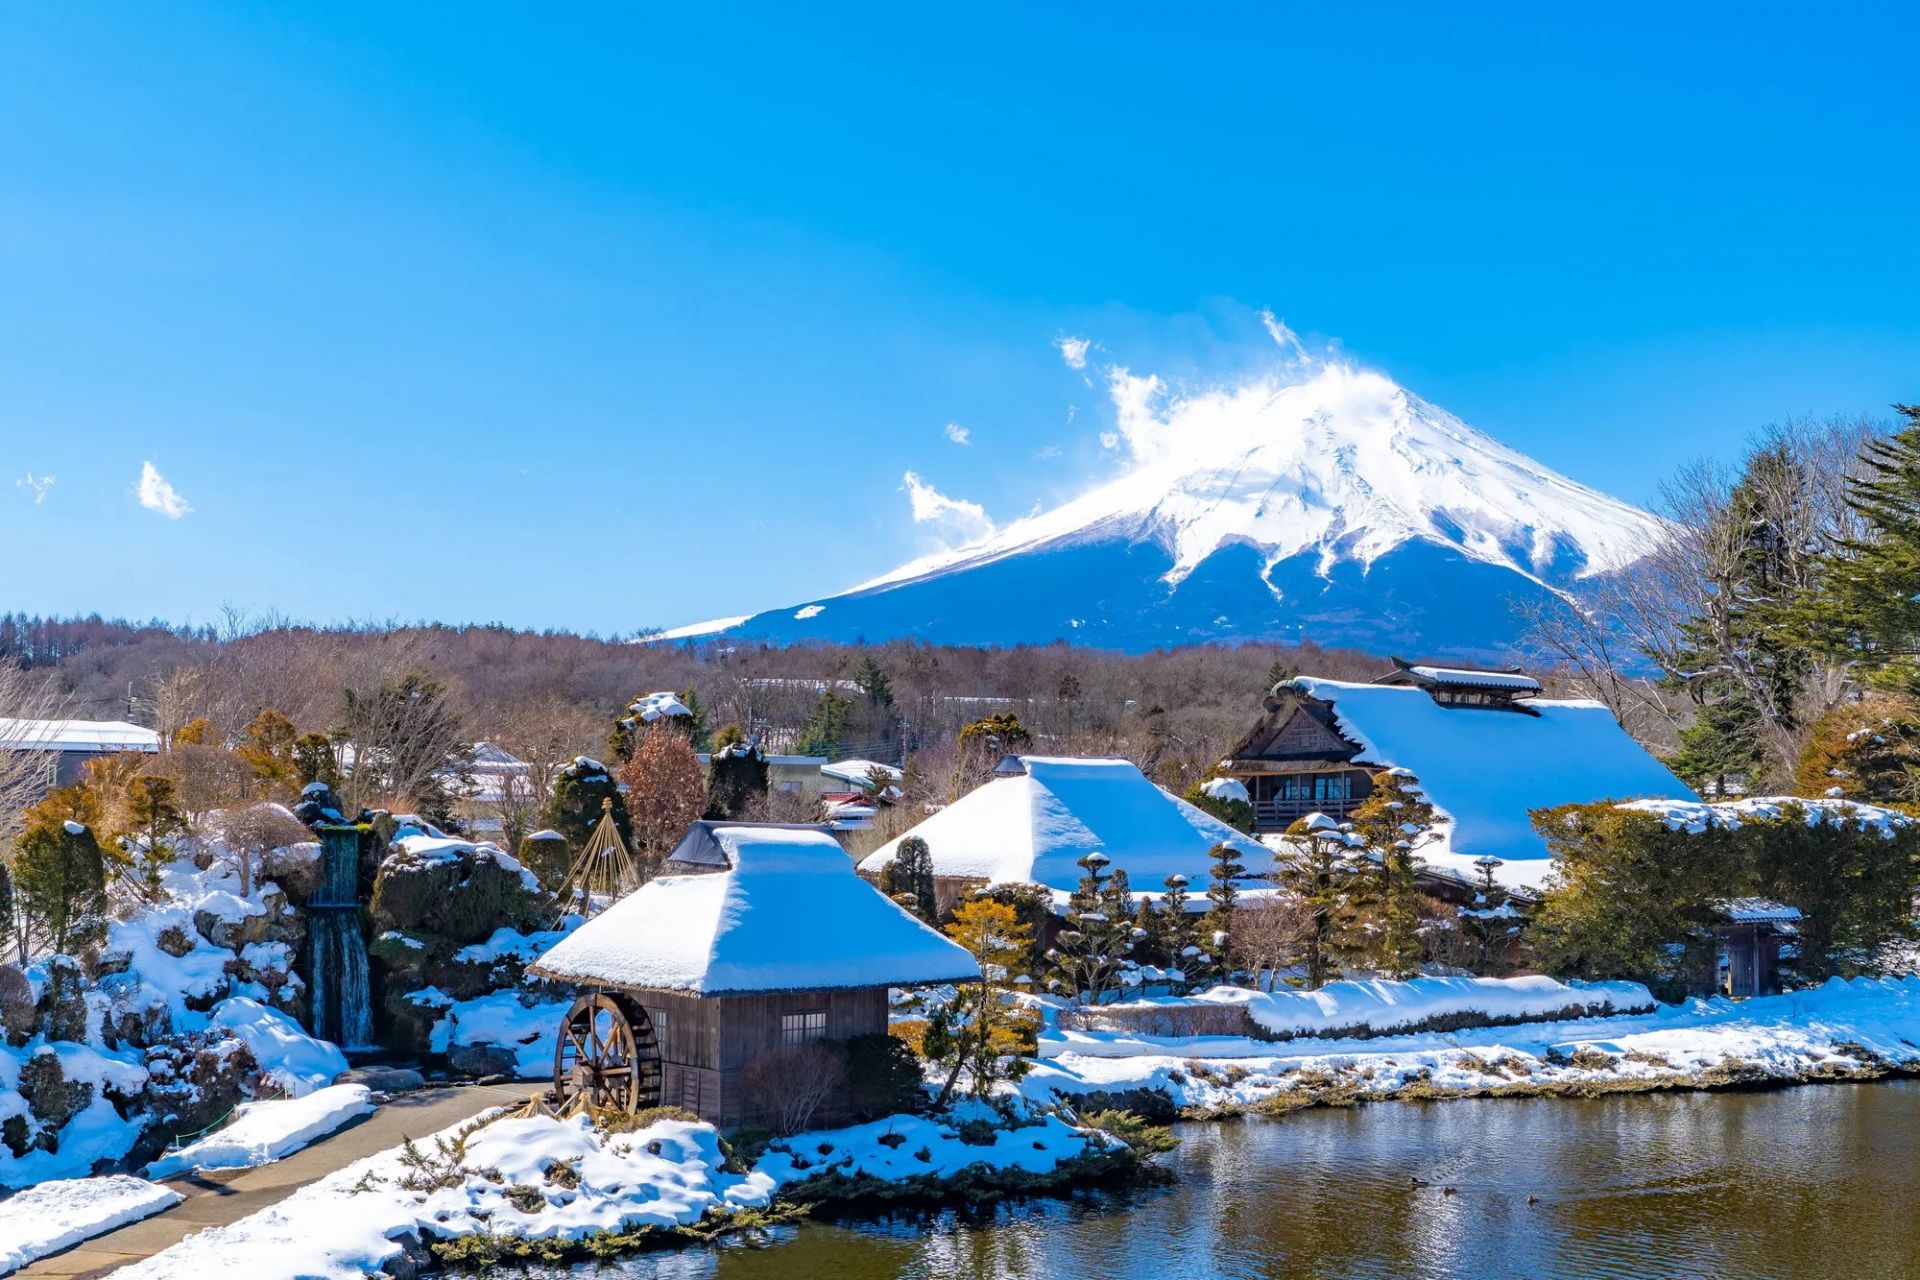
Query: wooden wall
[(705, 1044)]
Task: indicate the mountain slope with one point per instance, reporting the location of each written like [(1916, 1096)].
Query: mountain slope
[(1341, 509)]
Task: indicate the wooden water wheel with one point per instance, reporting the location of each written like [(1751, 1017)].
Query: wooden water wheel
[(607, 1058)]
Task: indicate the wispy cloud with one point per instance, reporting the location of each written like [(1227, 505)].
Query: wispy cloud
[(959, 434), (1073, 350), (956, 519), (1051, 451), (37, 485), (156, 494)]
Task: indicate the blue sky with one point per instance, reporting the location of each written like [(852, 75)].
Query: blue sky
[(606, 316)]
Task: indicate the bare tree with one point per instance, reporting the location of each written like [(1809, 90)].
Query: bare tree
[(27, 702), (1269, 935), (666, 792), (250, 834)]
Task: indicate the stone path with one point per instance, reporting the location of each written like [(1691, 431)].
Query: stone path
[(213, 1199)]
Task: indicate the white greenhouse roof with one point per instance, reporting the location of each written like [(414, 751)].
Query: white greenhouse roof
[(789, 915), (1034, 828), (860, 772), (76, 735), (1484, 769)]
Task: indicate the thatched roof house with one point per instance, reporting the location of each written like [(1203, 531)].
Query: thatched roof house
[(1040, 815), (758, 938)]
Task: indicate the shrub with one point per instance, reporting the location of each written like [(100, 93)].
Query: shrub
[(788, 1085), (18, 1017), (548, 855), (622, 1122), (461, 898), (883, 1077), (911, 1032), (1144, 1138)]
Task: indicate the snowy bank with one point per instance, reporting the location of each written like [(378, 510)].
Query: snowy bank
[(1339, 1009), (263, 1132), (1861, 1029), (58, 1215), (562, 1182)]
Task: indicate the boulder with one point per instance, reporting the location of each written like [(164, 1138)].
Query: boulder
[(483, 1060), (383, 1079)]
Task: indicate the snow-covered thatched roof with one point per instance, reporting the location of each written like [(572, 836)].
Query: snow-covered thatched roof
[(1484, 769), (1033, 826), (788, 914)]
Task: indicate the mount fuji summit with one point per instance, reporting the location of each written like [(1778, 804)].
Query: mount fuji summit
[(1340, 509)]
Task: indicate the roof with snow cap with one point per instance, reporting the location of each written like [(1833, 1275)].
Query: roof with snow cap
[(787, 914), (76, 735), (1033, 827), (1483, 771)]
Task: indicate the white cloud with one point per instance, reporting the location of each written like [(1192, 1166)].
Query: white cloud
[(37, 484), (1051, 451), (1073, 351), (157, 495), (959, 434), (956, 519)]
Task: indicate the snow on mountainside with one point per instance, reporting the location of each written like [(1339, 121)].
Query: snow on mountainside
[(1340, 508)]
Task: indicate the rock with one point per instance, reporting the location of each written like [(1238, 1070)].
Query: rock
[(413, 1260), (483, 1060), (383, 1079)]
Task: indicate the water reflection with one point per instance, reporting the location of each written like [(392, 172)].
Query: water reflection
[(1810, 1182)]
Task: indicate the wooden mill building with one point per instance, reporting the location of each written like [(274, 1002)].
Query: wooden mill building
[(757, 938)]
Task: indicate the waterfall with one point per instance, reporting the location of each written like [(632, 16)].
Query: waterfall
[(342, 1008)]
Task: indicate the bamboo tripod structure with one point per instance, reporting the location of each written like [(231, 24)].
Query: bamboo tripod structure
[(604, 867)]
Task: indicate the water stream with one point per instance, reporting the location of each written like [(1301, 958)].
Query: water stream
[(342, 1004), (1822, 1181)]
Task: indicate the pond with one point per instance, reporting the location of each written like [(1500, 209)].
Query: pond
[(1808, 1182)]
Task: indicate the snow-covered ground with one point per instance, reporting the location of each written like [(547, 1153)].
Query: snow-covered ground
[(1835, 1031), (543, 1178), (169, 975), (58, 1215), (262, 1132), (529, 1032)]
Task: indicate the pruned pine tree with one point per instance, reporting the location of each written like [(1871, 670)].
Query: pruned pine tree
[(985, 1032), (1216, 927), (1179, 934), (1316, 869), (908, 879), (1491, 923), (1393, 823), (579, 788), (1091, 953)]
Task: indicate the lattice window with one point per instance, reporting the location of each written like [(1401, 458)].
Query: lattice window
[(798, 1028)]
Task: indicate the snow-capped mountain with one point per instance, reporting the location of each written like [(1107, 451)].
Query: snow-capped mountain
[(1340, 509)]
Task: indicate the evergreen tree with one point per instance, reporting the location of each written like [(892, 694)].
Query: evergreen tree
[(1317, 870), (1281, 673), (314, 761), (696, 728), (60, 885), (1217, 926), (1230, 809), (1741, 660), (268, 751), (574, 808), (1179, 932), (875, 682), (1492, 922), (736, 775), (1866, 750), (908, 879), (1090, 954), (1391, 824), (1867, 606), (826, 726), (154, 822)]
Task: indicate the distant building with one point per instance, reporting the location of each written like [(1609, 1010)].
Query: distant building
[(66, 746), (1484, 747)]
